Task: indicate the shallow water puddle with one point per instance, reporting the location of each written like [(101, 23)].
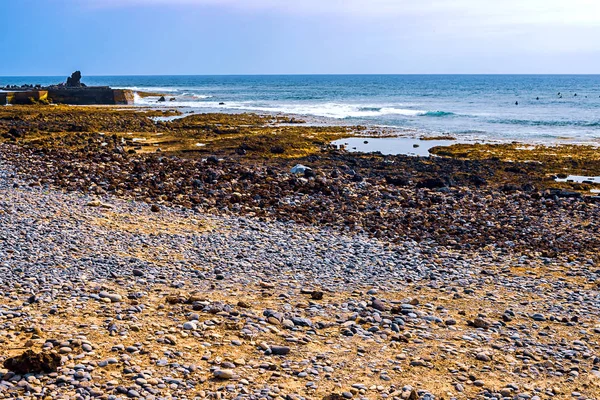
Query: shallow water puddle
[(579, 179), (392, 145)]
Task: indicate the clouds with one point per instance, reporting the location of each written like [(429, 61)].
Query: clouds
[(496, 12), (305, 36)]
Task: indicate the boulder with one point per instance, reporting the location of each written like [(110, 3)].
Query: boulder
[(30, 362)]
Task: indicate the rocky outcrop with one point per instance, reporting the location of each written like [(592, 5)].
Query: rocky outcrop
[(74, 81), (72, 92)]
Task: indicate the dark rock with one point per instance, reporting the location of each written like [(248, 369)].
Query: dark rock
[(478, 180), (378, 305), (17, 133), (74, 81), (277, 150), (357, 178), (162, 99), (396, 180), (31, 362), (316, 295), (309, 173), (509, 188), (280, 350), (432, 183), (480, 323), (212, 159), (155, 208), (528, 187), (561, 194)]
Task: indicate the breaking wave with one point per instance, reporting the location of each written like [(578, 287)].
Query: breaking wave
[(439, 114), (328, 110)]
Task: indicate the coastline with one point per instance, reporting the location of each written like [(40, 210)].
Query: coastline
[(214, 271), (376, 129)]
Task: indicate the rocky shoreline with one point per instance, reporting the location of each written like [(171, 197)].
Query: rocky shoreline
[(164, 275)]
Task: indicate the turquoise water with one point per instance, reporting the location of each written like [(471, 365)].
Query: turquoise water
[(466, 106)]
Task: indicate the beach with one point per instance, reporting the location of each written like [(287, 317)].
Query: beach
[(153, 267)]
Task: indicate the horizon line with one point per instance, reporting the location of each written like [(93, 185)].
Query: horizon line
[(316, 74)]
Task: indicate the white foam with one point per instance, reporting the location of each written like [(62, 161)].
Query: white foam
[(148, 89), (339, 111), (329, 110), (180, 101)]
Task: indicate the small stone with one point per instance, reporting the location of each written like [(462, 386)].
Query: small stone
[(190, 326), (223, 374), (378, 305), (481, 323), (280, 350)]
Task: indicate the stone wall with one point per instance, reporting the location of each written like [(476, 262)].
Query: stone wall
[(90, 96), (78, 96), (25, 97)]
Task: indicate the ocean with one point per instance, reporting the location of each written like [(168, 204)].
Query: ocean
[(532, 108)]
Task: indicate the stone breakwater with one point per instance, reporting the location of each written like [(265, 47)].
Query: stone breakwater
[(184, 304)]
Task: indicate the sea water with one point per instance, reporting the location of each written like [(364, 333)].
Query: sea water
[(534, 108)]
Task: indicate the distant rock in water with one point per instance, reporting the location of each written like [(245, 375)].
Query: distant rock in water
[(74, 81)]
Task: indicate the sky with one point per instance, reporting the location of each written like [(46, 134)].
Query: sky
[(198, 37)]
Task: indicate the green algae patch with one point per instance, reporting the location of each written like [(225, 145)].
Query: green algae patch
[(573, 159), (133, 130), (280, 142), (550, 160)]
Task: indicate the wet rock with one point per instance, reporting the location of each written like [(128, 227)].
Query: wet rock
[(432, 183)]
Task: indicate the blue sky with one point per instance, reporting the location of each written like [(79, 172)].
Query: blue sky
[(119, 37)]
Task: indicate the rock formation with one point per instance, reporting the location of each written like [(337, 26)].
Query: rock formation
[(74, 81)]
